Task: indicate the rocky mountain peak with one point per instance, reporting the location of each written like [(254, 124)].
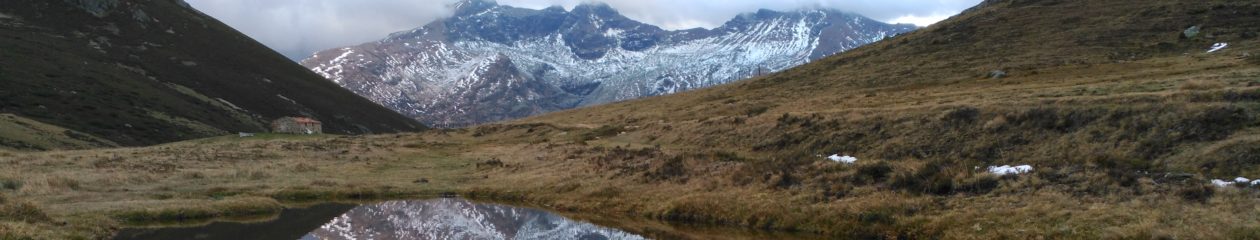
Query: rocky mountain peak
[(493, 62), (595, 9), (470, 7)]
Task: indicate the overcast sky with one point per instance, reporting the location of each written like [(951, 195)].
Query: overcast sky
[(298, 28)]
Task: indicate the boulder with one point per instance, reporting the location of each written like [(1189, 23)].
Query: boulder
[(1191, 32)]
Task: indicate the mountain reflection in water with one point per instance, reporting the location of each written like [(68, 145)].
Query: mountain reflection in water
[(458, 219)]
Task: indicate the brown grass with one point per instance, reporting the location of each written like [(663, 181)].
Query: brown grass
[(202, 180)]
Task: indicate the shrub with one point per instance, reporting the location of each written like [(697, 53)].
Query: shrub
[(11, 210), (756, 110), (961, 115), (936, 178), (491, 164), (10, 184), (1200, 194), (979, 184), (872, 173), (668, 169), (601, 132), (305, 167)]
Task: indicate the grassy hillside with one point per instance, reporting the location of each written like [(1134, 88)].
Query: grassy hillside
[(1124, 121), (155, 71), (22, 133)]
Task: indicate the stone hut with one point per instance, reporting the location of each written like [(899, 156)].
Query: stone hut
[(297, 125)]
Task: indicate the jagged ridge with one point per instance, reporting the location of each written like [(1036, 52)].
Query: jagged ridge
[(580, 57)]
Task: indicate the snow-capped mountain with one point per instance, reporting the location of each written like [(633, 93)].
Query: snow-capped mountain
[(458, 219), (491, 62)]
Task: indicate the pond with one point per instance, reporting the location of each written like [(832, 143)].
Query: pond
[(446, 218)]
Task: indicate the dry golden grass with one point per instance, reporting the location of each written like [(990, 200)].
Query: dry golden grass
[(203, 180)]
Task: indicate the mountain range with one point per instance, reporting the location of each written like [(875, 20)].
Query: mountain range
[(491, 62)]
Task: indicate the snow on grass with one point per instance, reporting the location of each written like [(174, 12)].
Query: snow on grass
[(1008, 169), (1222, 183), (1239, 181), (842, 159), (1218, 47)]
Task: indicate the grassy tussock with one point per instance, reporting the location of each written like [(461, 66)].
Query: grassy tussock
[(21, 211), (1200, 84)]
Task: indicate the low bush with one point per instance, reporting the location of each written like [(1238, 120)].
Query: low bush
[(872, 173), (941, 179), (1200, 194), (14, 210), (10, 184), (601, 132), (491, 164), (756, 110)]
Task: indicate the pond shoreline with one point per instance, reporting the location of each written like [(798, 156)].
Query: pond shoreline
[(296, 221)]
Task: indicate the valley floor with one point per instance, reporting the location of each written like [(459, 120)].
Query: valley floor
[(1121, 154)]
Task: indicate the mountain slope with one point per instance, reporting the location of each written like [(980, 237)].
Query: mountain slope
[(1132, 129), (581, 57), (155, 71)]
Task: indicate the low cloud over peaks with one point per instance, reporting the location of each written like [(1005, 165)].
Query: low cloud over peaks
[(298, 28)]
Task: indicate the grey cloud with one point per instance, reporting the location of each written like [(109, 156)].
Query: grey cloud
[(679, 14), (298, 28)]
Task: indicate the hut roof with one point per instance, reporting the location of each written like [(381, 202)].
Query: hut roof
[(305, 120)]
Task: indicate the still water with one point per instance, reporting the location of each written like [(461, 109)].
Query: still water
[(447, 218)]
